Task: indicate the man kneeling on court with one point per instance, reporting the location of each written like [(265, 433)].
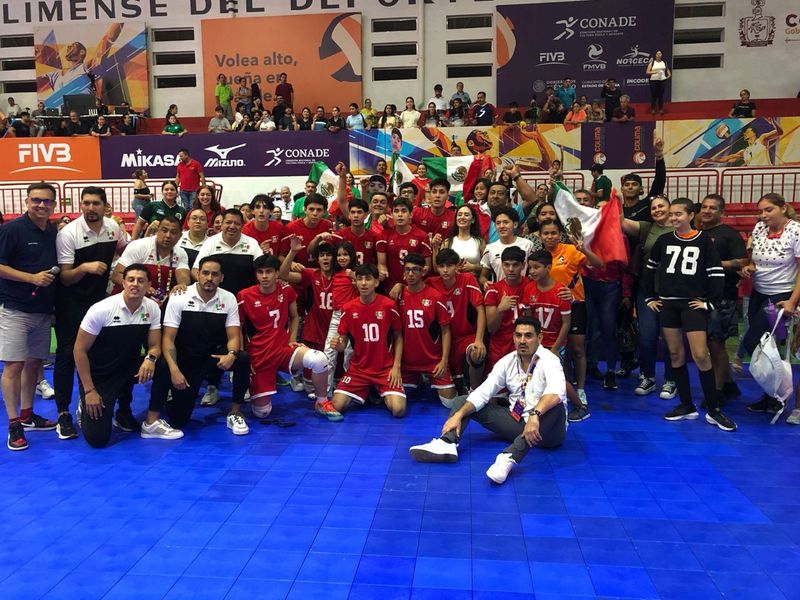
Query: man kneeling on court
[(537, 414)]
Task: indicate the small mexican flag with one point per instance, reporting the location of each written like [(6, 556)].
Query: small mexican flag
[(400, 173), (327, 181), (452, 168)]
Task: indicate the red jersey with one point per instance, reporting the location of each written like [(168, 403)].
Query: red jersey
[(502, 340), (364, 244), (420, 184), (272, 234), (265, 319), (299, 227), (432, 224), (343, 290), (379, 229), (461, 301), (371, 328), (318, 293), (397, 245), (422, 314), (548, 308), (189, 175)]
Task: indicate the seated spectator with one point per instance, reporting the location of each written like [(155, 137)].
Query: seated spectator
[(173, 127), (370, 114), (320, 120), (219, 123), (14, 109), (37, 120), (461, 95), (288, 122), (266, 122), (101, 108), (512, 115), (389, 118), (245, 124), (624, 112), (744, 108), (576, 115), (172, 110), (596, 114), (100, 128), (553, 111), (256, 106), (127, 126), (22, 126), (430, 118), (279, 109), (336, 122), (482, 112), (409, 118), (355, 120), (533, 113), (305, 122), (75, 127), (456, 116), (238, 114)]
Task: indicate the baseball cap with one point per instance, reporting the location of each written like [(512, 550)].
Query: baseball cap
[(632, 177)]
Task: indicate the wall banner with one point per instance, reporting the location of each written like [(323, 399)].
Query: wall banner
[(617, 145), (50, 159)]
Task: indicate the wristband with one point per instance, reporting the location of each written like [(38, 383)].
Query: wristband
[(151, 357), (537, 412)]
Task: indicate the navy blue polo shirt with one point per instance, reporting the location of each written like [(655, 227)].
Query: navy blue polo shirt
[(25, 247)]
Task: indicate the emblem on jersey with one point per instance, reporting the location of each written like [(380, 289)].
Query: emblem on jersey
[(257, 303), (219, 306), (367, 244), (457, 292), (86, 238), (445, 225), (190, 303), (412, 242), (145, 316), (280, 297), (426, 302), (561, 260), (532, 298), (116, 319), (379, 314)]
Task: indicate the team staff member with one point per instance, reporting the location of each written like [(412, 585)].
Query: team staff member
[(189, 178), (201, 333), (85, 249), (192, 240), (537, 412), (27, 293), (155, 211), (108, 351)]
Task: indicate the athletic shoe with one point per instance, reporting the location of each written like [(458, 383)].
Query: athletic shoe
[(261, 411), (435, 451), (668, 390), (794, 417), (582, 396), (767, 404), (237, 424), (715, 417), (682, 412), (65, 429), (502, 466), (160, 430), (326, 409), (16, 438), (125, 421), (281, 381), (626, 368), (647, 385), (610, 381), (211, 397), (37, 423), (45, 390), (576, 415), (246, 398), (297, 384), (731, 390)]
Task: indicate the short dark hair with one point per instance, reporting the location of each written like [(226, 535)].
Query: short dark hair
[(447, 256), (324, 248), (415, 258), (530, 321), (262, 199), (542, 256), (595, 167), (235, 212), (136, 267), (358, 203), (267, 261), (185, 150), (404, 202), (170, 219), (317, 199), (368, 270), (687, 204), (513, 253), (440, 181), (511, 213), (556, 224), (41, 185), (718, 198), (208, 259), (94, 190), (406, 185)]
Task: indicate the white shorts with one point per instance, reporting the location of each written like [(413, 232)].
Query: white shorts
[(24, 335)]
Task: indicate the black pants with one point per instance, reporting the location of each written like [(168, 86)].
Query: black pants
[(97, 432), (179, 411), (69, 315), (498, 419), (656, 94)]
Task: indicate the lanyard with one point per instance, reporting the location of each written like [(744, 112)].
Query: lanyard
[(528, 375)]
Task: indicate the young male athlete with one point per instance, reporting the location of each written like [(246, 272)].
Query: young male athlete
[(504, 305), (398, 242), (542, 298)]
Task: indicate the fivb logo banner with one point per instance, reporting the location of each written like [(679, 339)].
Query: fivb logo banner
[(601, 39), (28, 159)]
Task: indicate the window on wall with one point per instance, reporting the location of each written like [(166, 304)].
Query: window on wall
[(699, 36), (176, 81), (18, 64), (699, 61), (182, 34), (389, 25), (16, 41), (464, 71), (174, 58), (400, 49), (469, 21), (392, 73), (696, 11), (19, 87), (468, 46)]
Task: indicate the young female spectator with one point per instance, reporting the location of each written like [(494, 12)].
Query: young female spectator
[(546, 211), (305, 122), (255, 96), (576, 115), (409, 118), (242, 95), (245, 124), (682, 280), (596, 113), (352, 188), (141, 193), (266, 123), (172, 110), (343, 291), (389, 118), (430, 118), (173, 127), (658, 72), (256, 108), (206, 201), (217, 227), (646, 235), (466, 240), (775, 254), (744, 108), (456, 116), (100, 127)]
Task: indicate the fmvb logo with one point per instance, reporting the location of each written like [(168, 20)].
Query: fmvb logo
[(595, 63), (44, 156)]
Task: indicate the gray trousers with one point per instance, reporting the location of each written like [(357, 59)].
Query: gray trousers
[(498, 419)]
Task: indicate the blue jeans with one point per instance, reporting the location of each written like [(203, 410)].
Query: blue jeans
[(602, 306), (757, 318), (649, 332), (187, 198), (138, 204)]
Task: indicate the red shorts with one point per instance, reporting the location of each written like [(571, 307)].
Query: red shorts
[(357, 386), (458, 354), (497, 351), (411, 379), (264, 371)]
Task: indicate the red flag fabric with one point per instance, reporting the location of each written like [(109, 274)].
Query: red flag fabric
[(477, 168), (609, 242)]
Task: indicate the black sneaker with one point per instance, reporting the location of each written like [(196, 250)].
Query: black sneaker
[(595, 373), (627, 367), (715, 417), (65, 428), (681, 412), (125, 421), (37, 423), (610, 381), (16, 438), (576, 415), (767, 404), (731, 390)]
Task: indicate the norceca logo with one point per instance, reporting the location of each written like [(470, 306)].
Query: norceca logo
[(42, 156)]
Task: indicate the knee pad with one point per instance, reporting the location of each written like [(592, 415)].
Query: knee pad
[(316, 361)]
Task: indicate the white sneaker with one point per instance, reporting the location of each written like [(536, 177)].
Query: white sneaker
[(211, 397), (237, 424), (582, 397), (668, 390), (794, 417), (45, 390), (297, 384), (261, 411), (160, 430), (502, 466), (437, 450), (246, 396)]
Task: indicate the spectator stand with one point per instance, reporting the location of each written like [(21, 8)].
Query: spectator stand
[(13, 194), (685, 183), (574, 180), (745, 185)]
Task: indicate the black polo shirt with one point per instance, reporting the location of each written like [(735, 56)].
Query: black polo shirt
[(25, 247)]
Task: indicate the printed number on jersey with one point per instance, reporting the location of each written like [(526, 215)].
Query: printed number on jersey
[(688, 257)]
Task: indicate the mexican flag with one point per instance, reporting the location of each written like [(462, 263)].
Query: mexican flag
[(400, 173), (327, 181), (599, 228), (452, 168)]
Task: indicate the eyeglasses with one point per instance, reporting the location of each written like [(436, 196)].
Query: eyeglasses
[(412, 270), (45, 201)]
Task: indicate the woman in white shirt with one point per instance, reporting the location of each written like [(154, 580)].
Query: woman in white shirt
[(466, 240), (658, 72), (410, 116)]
